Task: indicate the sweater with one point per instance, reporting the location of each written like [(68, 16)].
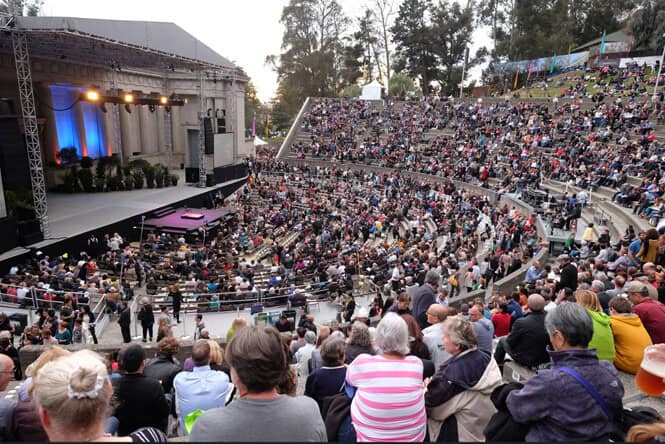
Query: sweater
[(630, 340), (602, 339)]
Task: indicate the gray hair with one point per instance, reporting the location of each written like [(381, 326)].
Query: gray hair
[(574, 323), (332, 349), (432, 277), (392, 335), (460, 331), (598, 284), (360, 334), (310, 337)]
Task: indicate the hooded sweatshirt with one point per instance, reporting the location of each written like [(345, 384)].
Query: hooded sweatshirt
[(602, 340), (630, 340)]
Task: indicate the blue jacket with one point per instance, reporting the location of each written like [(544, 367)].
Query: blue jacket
[(559, 408)]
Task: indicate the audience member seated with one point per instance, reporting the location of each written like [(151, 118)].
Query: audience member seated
[(73, 395), (555, 403), (458, 395), (388, 402), (602, 340), (630, 336), (650, 311), (328, 380), (259, 366), (528, 340)]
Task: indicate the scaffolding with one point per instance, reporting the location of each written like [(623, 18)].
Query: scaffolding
[(31, 130), (202, 144), (168, 141)]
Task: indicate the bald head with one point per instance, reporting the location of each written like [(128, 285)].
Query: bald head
[(438, 312), (536, 302), (6, 371)]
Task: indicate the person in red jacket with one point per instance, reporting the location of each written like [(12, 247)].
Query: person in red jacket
[(650, 311), (501, 321)]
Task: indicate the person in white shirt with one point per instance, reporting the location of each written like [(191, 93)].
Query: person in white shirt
[(304, 353), (433, 335)]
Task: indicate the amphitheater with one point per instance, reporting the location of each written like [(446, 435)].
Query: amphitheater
[(325, 162)]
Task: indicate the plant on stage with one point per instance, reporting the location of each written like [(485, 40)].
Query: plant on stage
[(86, 162), (174, 179), (87, 180), (128, 181), (138, 177), (149, 172), (159, 176), (100, 182)]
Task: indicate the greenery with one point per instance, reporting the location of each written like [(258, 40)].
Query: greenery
[(87, 180), (24, 7), (174, 179), (149, 172), (138, 177), (401, 86), (351, 91), (18, 199), (648, 24)]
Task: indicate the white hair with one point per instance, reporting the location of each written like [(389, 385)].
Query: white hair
[(392, 335)]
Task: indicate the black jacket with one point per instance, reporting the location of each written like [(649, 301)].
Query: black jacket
[(422, 299), (163, 368), (528, 340), (140, 402), (568, 278), (125, 318)]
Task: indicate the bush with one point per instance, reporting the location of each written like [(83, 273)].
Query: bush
[(111, 183), (138, 164), (138, 177), (159, 179), (149, 172), (86, 162), (129, 182), (174, 179), (87, 180), (100, 182)]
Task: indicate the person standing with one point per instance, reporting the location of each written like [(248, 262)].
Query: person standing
[(176, 297), (88, 318), (124, 321), (147, 318), (425, 296), (7, 406), (200, 326)]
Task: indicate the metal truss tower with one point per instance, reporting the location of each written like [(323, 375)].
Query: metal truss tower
[(168, 135), (24, 77), (202, 113)]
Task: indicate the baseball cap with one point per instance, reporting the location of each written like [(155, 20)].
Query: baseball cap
[(638, 287), (131, 358)]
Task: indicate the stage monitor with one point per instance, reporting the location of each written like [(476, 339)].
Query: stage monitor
[(208, 135)]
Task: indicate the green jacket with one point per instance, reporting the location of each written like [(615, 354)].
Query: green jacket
[(603, 339)]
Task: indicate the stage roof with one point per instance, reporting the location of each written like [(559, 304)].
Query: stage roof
[(118, 44)]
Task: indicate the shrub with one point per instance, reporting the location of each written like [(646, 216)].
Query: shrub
[(138, 177), (174, 179), (149, 172), (87, 180), (129, 182), (100, 182), (86, 162), (111, 183)]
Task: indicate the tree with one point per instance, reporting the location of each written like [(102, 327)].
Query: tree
[(648, 24), (401, 86), (452, 27), (384, 10), (253, 107), (351, 91), (412, 34), (312, 52), (22, 7), (352, 61)]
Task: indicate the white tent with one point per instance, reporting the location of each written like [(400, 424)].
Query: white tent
[(259, 142), (372, 91)]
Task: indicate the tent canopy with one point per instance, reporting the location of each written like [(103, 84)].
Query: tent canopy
[(372, 91), (259, 142)]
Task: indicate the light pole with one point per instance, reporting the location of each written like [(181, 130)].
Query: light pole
[(660, 69), (141, 235)]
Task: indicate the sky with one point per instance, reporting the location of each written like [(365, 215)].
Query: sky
[(243, 31)]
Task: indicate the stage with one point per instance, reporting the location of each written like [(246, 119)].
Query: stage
[(185, 221), (72, 215)]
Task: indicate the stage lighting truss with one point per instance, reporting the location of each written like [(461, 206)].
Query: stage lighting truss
[(128, 98)]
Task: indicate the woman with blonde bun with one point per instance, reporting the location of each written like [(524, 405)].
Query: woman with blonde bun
[(72, 395)]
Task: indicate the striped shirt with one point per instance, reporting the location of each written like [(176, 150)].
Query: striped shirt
[(389, 403)]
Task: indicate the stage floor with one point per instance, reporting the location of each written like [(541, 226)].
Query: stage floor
[(176, 222), (73, 214)]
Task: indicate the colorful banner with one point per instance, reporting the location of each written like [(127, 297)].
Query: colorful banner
[(560, 63)]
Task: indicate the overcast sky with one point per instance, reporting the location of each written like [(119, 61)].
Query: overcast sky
[(244, 31)]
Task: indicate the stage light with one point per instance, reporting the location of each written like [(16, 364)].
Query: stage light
[(91, 95), (163, 100), (128, 98), (128, 108)]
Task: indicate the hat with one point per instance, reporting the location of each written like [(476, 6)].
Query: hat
[(638, 287), (563, 257), (131, 358)]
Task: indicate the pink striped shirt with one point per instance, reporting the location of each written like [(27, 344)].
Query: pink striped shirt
[(389, 404)]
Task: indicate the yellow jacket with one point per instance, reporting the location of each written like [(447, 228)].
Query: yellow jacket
[(589, 235), (630, 340)]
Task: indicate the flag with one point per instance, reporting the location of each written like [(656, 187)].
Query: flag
[(254, 125), (552, 63), (517, 76), (602, 43), (267, 126)]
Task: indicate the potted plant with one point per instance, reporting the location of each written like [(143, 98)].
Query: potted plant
[(159, 176), (149, 172), (100, 182), (174, 179), (86, 179), (138, 179)]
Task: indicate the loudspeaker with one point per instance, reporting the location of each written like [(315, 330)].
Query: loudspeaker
[(191, 175), (29, 232), (208, 136)]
